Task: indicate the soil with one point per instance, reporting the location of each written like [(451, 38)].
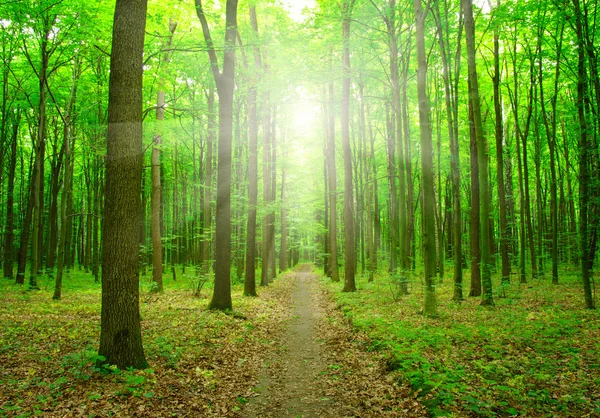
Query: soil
[(322, 367)]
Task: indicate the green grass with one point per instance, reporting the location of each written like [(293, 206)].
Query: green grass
[(536, 353)]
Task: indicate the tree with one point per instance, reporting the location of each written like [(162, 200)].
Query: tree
[(250, 276), (484, 194), (428, 212), (120, 334), (224, 80), (350, 256), (584, 160)]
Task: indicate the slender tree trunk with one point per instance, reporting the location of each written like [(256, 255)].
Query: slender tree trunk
[(428, 210), (452, 121), (475, 218), (393, 200), (273, 196), (221, 298), (205, 253), (10, 202), (350, 251), (332, 177), (266, 241), (551, 137), (283, 262), (505, 275), (484, 194), (584, 171), (67, 182), (250, 277)]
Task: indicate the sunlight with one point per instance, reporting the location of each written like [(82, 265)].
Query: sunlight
[(305, 114), (296, 8)]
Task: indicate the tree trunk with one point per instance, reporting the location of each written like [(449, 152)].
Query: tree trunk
[(332, 177), (207, 192), (484, 191), (584, 172), (68, 181), (221, 298), (475, 219), (505, 276), (120, 335), (428, 210), (451, 103), (10, 203), (250, 276), (350, 252)]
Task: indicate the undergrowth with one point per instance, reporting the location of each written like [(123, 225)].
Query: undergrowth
[(536, 353)]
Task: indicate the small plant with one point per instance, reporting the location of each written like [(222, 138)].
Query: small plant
[(81, 364)]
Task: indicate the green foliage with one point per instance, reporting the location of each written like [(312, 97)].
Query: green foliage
[(535, 354), (81, 364)]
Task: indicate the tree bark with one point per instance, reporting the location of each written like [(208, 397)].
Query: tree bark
[(350, 251), (221, 298), (10, 201), (120, 335), (428, 210), (484, 194)]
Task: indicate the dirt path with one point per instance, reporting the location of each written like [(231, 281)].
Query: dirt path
[(321, 368)]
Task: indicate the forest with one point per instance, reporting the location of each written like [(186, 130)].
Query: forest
[(251, 208)]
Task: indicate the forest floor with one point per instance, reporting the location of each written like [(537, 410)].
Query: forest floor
[(289, 352), (322, 368)]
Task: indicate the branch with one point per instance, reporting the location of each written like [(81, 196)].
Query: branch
[(214, 62)]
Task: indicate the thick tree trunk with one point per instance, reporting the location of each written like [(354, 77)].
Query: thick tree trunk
[(120, 335)]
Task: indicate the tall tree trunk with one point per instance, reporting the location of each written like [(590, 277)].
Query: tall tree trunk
[(428, 210), (350, 252), (266, 230), (221, 298), (393, 200), (273, 196), (475, 218), (451, 103), (10, 202), (550, 127), (156, 197), (584, 160), (205, 253), (500, 161), (484, 194), (332, 177), (67, 182), (120, 335), (283, 262), (250, 276)]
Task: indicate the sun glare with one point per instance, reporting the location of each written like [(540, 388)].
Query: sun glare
[(305, 114), (296, 8)]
